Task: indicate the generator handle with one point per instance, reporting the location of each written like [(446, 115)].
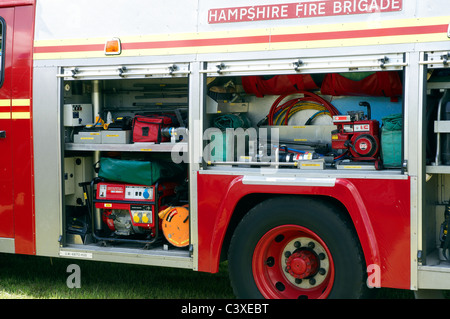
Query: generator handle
[(367, 105)]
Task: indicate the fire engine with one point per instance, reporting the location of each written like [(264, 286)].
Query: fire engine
[(306, 143)]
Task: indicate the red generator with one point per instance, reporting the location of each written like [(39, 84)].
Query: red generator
[(357, 135), (131, 211)]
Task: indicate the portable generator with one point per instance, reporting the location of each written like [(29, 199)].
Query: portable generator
[(131, 210), (357, 135)]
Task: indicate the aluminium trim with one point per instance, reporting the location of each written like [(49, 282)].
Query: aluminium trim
[(176, 259), (348, 63), (124, 71), (288, 181), (7, 245)]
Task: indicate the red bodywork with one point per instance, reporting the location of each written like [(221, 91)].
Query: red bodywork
[(17, 174), (379, 208)]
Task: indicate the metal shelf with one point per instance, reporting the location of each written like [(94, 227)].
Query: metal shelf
[(438, 169), (438, 85), (135, 147)]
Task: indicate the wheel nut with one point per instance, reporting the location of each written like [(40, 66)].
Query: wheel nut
[(321, 256), (287, 254), (298, 281), (312, 281), (322, 271), (270, 261), (297, 244), (311, 245)]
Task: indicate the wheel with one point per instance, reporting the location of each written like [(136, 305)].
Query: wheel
[(295, 247)]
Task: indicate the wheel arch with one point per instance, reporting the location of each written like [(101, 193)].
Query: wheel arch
[(247, 202), (378, 208)]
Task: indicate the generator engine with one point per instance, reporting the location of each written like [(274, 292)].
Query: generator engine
[(357, 134), (129, 210)]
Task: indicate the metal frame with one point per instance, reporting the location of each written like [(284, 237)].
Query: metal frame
[(431, 272), (50, 217), (329, 64), (197, 87), (47, 160), (412, 131), (126, 71)]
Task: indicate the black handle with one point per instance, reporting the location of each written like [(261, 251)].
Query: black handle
[(367, 105)]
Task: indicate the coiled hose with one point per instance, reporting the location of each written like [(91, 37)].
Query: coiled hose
[(280, 114)]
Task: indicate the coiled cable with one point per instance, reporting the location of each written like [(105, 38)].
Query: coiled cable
[(280, 114)]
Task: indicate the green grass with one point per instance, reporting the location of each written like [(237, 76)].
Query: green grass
[(31, 277)]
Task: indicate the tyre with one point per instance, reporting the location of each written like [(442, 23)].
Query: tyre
[(296, 247)]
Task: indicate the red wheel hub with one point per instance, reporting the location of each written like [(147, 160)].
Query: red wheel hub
[(291, 262), (302, 264)]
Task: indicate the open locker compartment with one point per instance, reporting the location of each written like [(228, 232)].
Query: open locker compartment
[(121, 183), (434, 263), (341, 114), (436, 213)]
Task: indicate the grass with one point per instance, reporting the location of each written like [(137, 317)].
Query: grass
[(31, 277)]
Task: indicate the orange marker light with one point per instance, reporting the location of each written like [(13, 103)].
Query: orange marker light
[(113, 47)]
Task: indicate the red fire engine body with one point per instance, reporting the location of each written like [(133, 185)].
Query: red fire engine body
[(320, 210)]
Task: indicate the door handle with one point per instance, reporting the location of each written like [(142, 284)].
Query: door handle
[(2, 134)]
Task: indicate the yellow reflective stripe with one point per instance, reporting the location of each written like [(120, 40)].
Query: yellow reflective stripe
[(21, 115), (20, 102), (263, 46), (5, 105), (5, 115), (5, 102)]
